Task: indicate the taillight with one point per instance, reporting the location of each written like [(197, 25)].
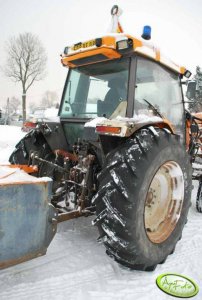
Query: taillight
[(30, 124), (108, 129)]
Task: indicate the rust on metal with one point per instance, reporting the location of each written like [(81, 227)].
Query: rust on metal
[(71, 215), (44, 182), (26, 168), (66, 154), (12, 262)]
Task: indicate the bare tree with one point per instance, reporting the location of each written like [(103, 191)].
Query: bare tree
[(26, 62)]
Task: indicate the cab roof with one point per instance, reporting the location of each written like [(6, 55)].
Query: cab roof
[(114, 46)]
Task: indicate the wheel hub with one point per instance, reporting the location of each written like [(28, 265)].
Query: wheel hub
[(164, 202)]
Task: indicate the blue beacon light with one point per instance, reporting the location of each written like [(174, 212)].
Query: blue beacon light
[(146, 32)]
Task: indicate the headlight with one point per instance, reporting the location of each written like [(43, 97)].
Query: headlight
[(124, 44)]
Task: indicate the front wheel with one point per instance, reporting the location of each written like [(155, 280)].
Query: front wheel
[(32, 141), (144, 198)]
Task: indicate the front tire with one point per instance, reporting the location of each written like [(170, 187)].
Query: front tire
[(139, 222), (32, 141)]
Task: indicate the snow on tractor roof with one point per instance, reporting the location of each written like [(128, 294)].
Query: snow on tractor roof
[(113, 46)]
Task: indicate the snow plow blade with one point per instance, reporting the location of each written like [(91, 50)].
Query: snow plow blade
[(28, 221)]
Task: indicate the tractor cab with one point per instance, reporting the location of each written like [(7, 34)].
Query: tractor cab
[(118, 77)]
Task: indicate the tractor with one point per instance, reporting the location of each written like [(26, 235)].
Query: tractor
[(123, 147)]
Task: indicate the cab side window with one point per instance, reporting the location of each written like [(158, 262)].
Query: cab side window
[(158, 90)]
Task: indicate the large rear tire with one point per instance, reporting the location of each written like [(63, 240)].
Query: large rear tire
[(144, 198), (33, 141)]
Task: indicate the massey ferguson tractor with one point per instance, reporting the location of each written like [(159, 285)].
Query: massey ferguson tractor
[(123, 147)]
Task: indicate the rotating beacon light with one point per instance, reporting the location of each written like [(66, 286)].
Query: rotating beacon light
[(146, 35)]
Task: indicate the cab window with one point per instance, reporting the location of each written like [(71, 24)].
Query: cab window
[(96, 90), (158, 92)]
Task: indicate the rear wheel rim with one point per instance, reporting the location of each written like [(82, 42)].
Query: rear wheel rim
[(163, 205)]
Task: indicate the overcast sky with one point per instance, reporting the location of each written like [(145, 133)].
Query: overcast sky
[(176, 29)]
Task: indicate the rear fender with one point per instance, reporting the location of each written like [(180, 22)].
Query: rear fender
[(113, 132)]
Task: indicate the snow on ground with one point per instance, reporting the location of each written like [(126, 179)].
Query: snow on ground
[(9, 137), (76, 267)]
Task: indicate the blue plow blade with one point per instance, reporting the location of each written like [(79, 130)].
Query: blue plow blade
[(28, 221)]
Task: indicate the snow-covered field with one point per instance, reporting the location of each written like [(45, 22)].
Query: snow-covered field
[(76, 267)]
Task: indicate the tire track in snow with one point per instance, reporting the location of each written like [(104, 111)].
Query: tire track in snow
[(59, 286)]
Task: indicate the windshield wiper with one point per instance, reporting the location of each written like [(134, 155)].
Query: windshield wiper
[(153, 108)]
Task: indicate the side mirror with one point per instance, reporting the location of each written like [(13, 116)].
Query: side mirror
[(191, 90)]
